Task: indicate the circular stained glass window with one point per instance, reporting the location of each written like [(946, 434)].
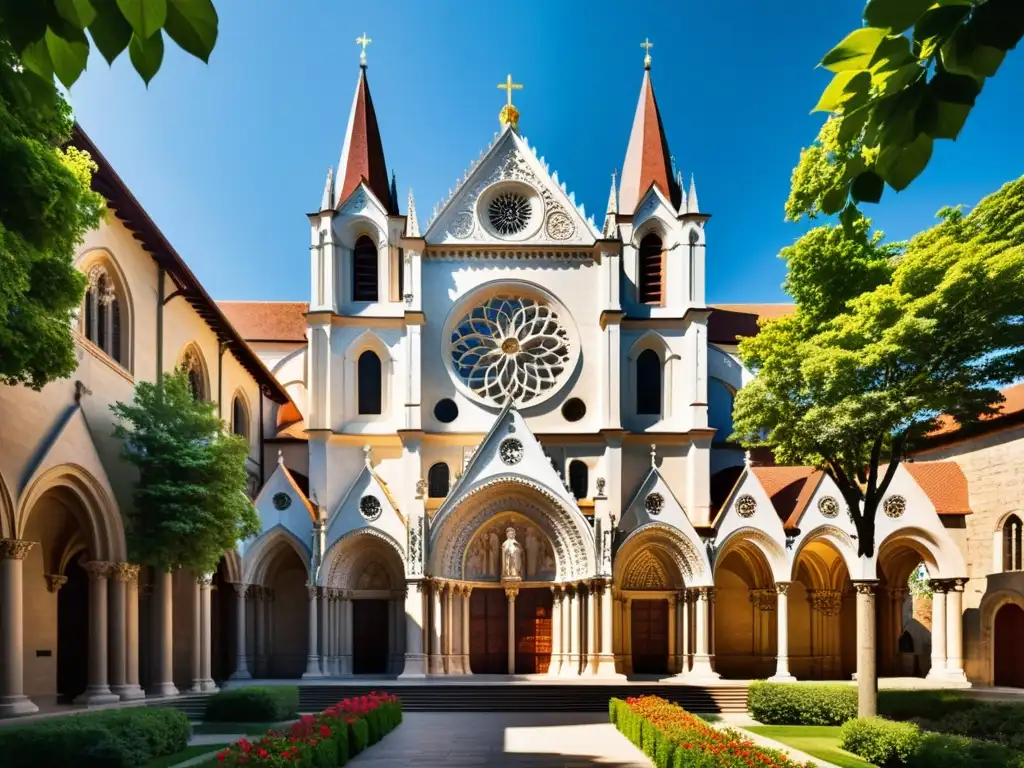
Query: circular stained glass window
[(894, 506), (509, 213), (282, 501), (828, 506), (510, 450), (746, 505), (511, 347), (654, 503), (369, 507)]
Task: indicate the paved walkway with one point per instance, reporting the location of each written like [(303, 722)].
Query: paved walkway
[(500, 739)]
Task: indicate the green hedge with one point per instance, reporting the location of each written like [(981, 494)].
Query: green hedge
[(253, 704), (124, 738), (801, 703), (889, 744)]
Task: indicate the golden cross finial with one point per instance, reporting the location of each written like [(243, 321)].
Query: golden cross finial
[(509, 86), (364, 41), (647, 45)]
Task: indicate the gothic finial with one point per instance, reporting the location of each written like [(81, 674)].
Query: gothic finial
[(746, 458), (394, 192), (654, 455), (613, 198), (366, 455), (364, 41), (647, 45), (328, 197), (280, 458), (509, 115), (691, 198), (412, 224)]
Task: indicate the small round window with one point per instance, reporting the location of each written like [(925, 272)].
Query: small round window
[(446, 411), (574, 409), (509, 212)]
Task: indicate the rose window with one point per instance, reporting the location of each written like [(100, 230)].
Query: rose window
[(828, 506), (654, 503), (894, 506), (746, 505), (369, 507), (510, 451), (509, 213), (511, 347)]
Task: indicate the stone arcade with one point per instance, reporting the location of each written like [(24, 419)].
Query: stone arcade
[(493, 444)]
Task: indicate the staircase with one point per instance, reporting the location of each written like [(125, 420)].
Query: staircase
[(529, 698), (192, 704)]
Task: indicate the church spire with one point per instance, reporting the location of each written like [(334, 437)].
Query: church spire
[(362, 154), (647, 157), (412, 224), (613, 209), (328, 196), (691, 199)]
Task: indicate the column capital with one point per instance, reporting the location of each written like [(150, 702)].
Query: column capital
[(125, 571), (940, 586), (828, 602), (98, 569), (764, 599), (467, 590), (313, 590), (54, 581), (205, 581), (240, 588), (704, 594), (511, 590), (14, 549), (865, 587), (782, 587)]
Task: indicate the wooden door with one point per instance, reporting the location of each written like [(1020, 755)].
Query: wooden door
[(533, 631), (1008, 634), (650, 637), (488, 632), (369, 637)]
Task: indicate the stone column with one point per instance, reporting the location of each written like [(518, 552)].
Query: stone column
[(98, 691), (555, 666), (206, 631), (867, 679), (325, 628), (448, 638), (575, 602), (606, 659), (334, 610), (415, 660), (259, 629), (241, 669), (436, 658), (938, 670), (347, 659), (510, 593), (197, 633), (457, 650), (673, 647), (13, 700), (782, 674), (701, 657), (132, 688), (588, 615), (686, 606), (163, 605), (313, 658), (627, 633), (269, 603), (954, 631), (466, 592), (121, 572)]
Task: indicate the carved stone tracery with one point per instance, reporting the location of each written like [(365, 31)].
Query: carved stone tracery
[(763, 599), (645, 571), (828, 602)]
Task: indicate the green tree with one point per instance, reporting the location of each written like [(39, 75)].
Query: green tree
[(52, 37), (46, 206), (190, 502), (910, 76), (886, 338)]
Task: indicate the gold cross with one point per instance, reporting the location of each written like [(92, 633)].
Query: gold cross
[(647, 45), (363, 41), (509, 86)]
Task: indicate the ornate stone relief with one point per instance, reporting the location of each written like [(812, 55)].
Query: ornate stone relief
[(683, 552), (374, 576), (746, 505), (894, 506), (559, 225), (828, 506), (484, 556), (646, 572), (828, 602), (763, 599)]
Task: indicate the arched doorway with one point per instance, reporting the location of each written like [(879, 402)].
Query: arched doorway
[(822, 615), (746, 621), (72, 628), (903, 610), (1008, 662)]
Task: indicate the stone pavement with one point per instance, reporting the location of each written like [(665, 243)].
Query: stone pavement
[(503, 739)]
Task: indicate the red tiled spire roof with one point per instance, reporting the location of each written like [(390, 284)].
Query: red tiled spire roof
[(362, 155), (647, 157)]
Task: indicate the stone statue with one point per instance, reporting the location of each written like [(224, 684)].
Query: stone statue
[(493, 554), (533, 551), (511, 556)]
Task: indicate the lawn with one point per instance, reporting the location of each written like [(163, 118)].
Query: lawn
[(820, 741), (186, 754)]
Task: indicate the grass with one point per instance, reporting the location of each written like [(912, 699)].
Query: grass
[(245, 729), (186, 754), (820, 741)]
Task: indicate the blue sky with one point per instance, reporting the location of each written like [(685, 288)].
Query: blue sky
[(228, 158)]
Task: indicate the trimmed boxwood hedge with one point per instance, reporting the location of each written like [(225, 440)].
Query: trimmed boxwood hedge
[(253, 704), (889, 744), (801, 703), (122, 738)]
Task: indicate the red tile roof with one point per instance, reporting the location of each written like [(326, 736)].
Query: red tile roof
[(647, 157), (363, 152), (730, 321), (790, 489), (944, 483), (1013, 405), (267, 320)]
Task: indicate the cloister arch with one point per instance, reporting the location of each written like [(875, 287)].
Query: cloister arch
[(259, 556), (822, 608)]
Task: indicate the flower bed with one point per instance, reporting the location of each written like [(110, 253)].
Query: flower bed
[(324, 740), (674, 738)]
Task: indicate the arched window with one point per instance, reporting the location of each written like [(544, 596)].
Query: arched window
[(720, 398), (578, 479), (694, 237), (193, 365), (651, 268), (239, 417), (364, 270), (369, 383), (438, 481), (1012, 544), (648, 383), (102, 317)]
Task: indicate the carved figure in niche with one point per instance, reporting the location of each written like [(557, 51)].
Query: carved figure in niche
[(548, 563), (476, 559), (533, 552), (511, 556), (493, 550), (374, 577)]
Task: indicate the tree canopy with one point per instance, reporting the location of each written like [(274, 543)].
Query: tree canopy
[(909, 77), (190, 504), (46, 206), (885, 339)]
